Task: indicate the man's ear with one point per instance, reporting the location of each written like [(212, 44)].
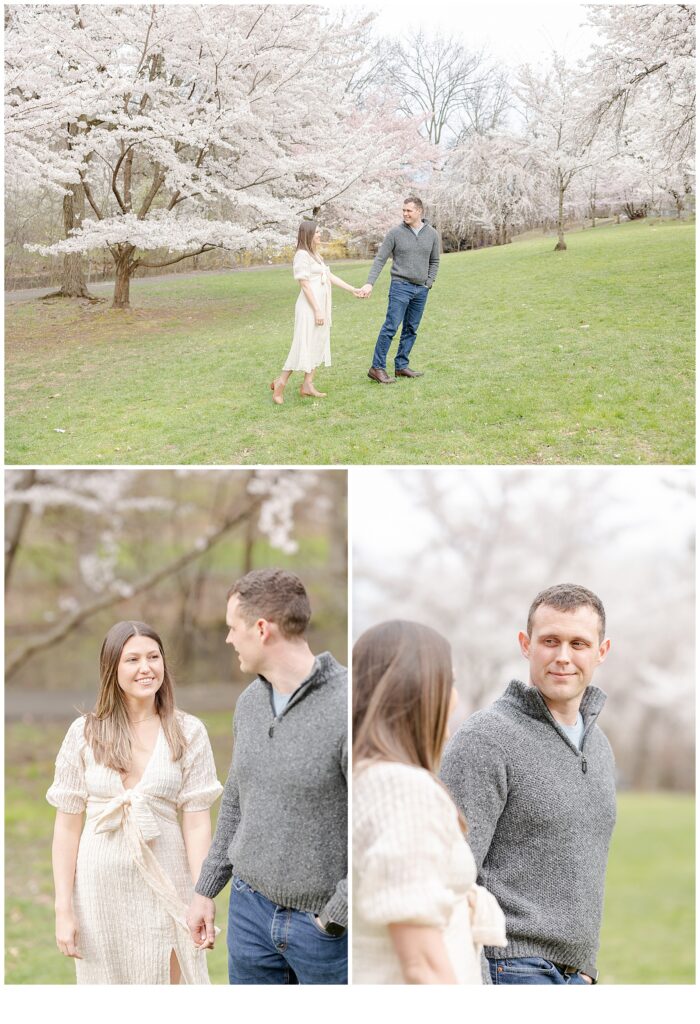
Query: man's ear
[(524, 641), (603, 651)]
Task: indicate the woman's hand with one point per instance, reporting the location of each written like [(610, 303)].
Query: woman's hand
[(320, 320), (67, 933), (422, 954)]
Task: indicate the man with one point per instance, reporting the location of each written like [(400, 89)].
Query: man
[(414, 247), (534, 777), (282, 830)]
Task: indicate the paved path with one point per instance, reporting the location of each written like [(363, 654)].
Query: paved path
[(105, 288), (57, 705)]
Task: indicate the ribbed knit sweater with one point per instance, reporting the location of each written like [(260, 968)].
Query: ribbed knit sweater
[(540, 814), (415, 258), (282, 825)]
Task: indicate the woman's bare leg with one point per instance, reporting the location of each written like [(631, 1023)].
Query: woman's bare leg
[(278, 385), (308, 389), (175, 972)]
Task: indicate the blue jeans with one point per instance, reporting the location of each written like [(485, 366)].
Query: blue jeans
[(272, 945), (406, 304), (530, 970)]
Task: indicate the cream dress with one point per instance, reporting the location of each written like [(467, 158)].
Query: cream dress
[(132, 881), (311, 344), (411, 864)]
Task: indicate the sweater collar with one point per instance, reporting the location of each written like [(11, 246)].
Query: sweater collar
[(321, 670), (423, 224), (531, 702)]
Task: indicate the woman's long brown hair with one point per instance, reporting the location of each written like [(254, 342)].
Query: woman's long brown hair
[(107, 728), (305, 238), (402, 681)]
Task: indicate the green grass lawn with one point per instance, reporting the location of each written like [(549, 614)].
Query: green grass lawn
[(531, 356), (649, 920), (648, 926)]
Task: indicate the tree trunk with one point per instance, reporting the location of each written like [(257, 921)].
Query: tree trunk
[(249, 545), (124, 270), (15, 521), (561, 244), (73, 284)]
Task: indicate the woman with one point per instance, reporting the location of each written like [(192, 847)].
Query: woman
[(123, 885), (419, 916), (311, 344)]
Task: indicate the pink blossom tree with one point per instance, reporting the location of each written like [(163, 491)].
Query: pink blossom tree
[(195, 127)]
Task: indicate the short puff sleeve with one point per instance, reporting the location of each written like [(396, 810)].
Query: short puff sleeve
[(406, 826), (69, 792), (200, 786), (302, 265)]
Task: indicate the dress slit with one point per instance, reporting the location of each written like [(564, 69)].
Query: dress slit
[(175, 968)]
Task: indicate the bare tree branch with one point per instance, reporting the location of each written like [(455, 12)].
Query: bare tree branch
[(15, 521), (63, 629)]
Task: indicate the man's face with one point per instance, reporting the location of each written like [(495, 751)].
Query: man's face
[(247, 639), (411, 215), (564, 651)]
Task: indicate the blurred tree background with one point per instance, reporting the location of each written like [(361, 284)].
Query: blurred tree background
[(86, 548), (467, 549)]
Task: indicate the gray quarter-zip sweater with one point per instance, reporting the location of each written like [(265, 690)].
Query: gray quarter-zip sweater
[(282, 825), (540, 814), (415, 258)]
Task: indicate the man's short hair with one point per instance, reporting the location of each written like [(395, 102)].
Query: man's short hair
[(275, 595), (418, 203), (567, 597)]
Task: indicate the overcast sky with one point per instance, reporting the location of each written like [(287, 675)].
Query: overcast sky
[(653, 514), (514, 33)]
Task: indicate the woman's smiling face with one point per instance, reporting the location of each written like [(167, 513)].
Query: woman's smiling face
[(141, 670)]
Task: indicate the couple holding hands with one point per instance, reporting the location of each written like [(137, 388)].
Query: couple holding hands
[(414, 247), (135, 867)]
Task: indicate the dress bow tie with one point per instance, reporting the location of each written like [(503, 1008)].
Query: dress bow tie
[(128, 807)]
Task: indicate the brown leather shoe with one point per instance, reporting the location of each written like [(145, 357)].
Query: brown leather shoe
[(381, 376), (409, 373)]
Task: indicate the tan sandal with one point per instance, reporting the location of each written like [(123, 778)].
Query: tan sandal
[(312, 394), (277, 388)]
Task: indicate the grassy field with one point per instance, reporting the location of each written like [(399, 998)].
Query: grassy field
[(649, 922), (649, 925), (531, 356)]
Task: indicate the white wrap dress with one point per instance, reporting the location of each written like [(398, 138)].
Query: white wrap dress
[(132, 881), (311, 344), (410, 863)]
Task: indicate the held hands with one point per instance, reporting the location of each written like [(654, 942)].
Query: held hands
[(200, 921), (67, 933), (364, 292)]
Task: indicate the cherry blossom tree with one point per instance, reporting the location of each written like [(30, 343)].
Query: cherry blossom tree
[(38, 157), (555, 113), (197, 127), (491, 184), (646, 58)]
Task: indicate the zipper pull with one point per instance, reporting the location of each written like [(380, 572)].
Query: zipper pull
[(272, 729), (584, 764)]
